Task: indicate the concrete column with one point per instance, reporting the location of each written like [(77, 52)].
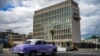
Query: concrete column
[(1, 48)]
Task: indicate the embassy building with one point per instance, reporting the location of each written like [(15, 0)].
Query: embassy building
[(59, 23)]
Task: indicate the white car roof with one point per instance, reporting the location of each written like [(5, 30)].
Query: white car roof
[(33, 41)]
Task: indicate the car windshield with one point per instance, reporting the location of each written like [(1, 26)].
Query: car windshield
[(27, 42)]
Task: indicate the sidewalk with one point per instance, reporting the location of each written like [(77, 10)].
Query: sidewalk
[(6, 50), (60, 49), (88, 49)]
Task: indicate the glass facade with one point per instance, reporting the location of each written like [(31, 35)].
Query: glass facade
[(59, 20)]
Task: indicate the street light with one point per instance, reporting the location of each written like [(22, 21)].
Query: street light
[(95, 41), (96, 44), (96, 28)]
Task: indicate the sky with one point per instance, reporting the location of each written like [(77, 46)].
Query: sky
[(18, 15)]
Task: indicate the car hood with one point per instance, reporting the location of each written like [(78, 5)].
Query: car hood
[(22, 45), (19, 47)]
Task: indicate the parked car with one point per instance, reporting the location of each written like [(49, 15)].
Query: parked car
[(33, 47), (71, 49)]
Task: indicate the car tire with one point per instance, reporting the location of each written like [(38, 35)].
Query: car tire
[(54, 52), (32, 53), (21, 54), (72, 49), (76, 49), (43, 54)]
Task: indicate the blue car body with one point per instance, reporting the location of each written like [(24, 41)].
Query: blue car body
[(38, 45)]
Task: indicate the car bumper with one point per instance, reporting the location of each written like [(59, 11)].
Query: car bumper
[(17, 52)]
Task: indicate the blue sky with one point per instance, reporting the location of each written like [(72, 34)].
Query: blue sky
[(18, 15)]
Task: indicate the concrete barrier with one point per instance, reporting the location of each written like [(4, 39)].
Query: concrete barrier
[(6, 50), (61, 49), (89, 49), (1, 48)]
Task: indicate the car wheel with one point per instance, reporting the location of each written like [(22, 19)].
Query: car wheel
[(54, 52), (43, 54), (72, 49), (32, 53), (21, 54), (67, 50), (76, 49)]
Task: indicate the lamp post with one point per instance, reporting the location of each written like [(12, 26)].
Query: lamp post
[(96, 38), (96, 32), (95, 41), (96, 45)]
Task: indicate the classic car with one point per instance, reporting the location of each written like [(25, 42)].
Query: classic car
[(33, 47)]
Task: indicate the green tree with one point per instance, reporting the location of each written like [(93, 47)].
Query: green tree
[(94, 37)]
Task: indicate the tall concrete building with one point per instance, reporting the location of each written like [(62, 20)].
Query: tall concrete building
[(59, 23)]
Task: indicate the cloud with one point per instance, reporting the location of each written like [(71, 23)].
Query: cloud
[(17, 18), (90, 11), (16, 2), (3, 3), (95, 2), (20, 17)]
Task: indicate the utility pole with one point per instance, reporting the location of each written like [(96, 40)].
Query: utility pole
[(95, 33)]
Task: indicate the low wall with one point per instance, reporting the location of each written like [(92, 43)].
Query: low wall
[(18, 42), (89, 49)]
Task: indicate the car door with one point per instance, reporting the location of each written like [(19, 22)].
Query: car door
[(47, 48), (42, 46), (39, 46)]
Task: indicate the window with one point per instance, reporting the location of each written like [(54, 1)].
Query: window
[(27, 42), (44, 42), (38, 43)]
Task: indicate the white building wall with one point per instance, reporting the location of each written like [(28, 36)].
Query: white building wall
[(76, 36)]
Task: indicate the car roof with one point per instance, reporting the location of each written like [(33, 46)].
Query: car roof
[(33, 39)]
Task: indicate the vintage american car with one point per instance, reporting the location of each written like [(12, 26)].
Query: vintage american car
[(33, 47)]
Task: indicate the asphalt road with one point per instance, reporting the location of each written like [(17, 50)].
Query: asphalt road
[(85, 53)]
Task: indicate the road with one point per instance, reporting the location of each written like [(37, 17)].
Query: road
[(79, 53)]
